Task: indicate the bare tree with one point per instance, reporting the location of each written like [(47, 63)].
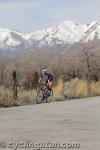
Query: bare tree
[(89, 62), (2, 70)]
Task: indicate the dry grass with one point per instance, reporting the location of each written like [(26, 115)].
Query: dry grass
[(73, 89), (77, 88), (95, 88), (24, 97), (81, 88), (59, 88), (6, 98)]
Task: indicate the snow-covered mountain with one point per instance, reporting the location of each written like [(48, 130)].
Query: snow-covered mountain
[(66, 33)]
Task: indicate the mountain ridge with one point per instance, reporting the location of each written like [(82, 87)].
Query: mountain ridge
[(66, 33)]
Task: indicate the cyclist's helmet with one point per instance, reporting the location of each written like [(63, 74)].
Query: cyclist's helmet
[(44, 72)]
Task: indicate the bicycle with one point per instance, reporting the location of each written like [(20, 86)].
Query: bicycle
[(44, 94)]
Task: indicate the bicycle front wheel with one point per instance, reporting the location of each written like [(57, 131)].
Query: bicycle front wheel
[(40, 96)]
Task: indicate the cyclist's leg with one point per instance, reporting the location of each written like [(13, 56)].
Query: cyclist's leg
[(50, 84)]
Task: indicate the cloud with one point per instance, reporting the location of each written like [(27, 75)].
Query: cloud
[(20, 14), (19, 5), (31, 15), (9, 1), (22, 1)]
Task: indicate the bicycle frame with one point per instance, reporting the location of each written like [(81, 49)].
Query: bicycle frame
[(43, 90)]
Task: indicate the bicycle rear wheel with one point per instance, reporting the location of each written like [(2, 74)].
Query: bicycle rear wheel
[(40, 96)]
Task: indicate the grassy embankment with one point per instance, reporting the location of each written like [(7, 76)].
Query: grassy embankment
[(75, 88)]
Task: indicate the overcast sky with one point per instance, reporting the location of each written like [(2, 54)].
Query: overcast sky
[(30, 15)]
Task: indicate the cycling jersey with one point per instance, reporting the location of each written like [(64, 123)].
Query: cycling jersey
[(46, 78)]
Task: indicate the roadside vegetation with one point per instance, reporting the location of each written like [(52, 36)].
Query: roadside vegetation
[(76, 75), (73, 89)]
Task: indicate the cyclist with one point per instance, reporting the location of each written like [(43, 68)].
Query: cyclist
[(47, 80)]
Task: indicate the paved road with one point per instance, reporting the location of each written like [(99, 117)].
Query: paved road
[(73, 121)]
